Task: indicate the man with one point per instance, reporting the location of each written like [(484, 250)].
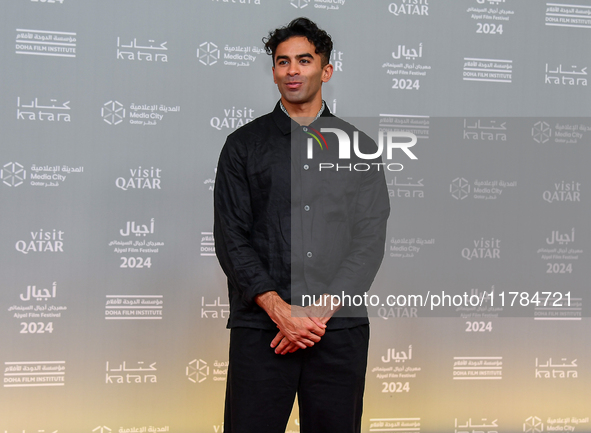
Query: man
[(285, 229)]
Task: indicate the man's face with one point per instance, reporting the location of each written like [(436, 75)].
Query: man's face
[(298, 71)]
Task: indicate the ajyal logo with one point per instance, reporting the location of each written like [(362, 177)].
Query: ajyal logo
[(344, 143)]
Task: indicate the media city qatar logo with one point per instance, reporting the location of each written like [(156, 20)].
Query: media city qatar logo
[(459, 188), (208, 53), (197, 370), (13, 174), (113, 112), (299, 4), (541, 132), (533, 424), (101, 429)]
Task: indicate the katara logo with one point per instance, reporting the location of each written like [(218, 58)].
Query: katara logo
[(459, 188), (208, 53), (541, 132), (533, 424), (300, 4), (197, 371), (13, 174), (113, 112)]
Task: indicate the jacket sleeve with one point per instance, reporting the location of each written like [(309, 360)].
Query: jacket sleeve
[(233, 221)]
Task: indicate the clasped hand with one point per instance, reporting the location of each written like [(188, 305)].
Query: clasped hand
[(299, 327), (302, 327)]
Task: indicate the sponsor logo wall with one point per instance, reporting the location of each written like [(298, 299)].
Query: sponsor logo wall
[(112, 304)]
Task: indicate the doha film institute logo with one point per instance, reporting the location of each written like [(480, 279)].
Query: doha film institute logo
[(208, 53), (533, 424), (13, 174), (541, 132), (197, 371), (459, 188), (113, 112)]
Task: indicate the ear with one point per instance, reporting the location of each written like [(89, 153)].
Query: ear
[(327, 73), (274, 79)]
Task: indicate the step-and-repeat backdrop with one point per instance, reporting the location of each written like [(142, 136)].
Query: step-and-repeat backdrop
[(113, 114)]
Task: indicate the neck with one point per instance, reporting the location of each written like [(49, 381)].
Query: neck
[(304, 113)]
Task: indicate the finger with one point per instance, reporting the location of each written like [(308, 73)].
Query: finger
[(277, 339), (282, 345), (316, 325), (318, 322), (309, 342), (310, 337), (289, 348), (315, 337), (298, 340), (302, 344), (318, 332), (293, 348)]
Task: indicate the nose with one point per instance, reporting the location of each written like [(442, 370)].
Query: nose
[(293, 69)]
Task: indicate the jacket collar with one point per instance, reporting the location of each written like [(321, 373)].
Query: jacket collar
[(285, 124)]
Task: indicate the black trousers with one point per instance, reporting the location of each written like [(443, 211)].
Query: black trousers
[(329, 379)]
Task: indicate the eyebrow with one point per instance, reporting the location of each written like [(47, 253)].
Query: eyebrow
[(298, 56)]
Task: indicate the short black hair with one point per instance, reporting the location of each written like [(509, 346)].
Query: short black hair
[(300, 27)]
